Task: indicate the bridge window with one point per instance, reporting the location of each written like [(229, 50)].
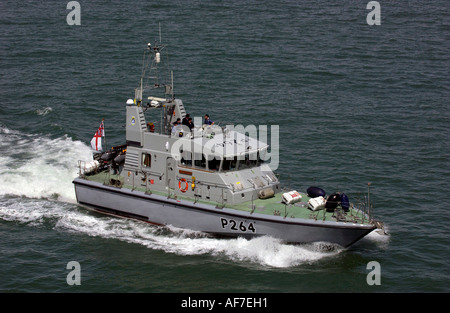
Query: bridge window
[(214, 164), (200, 162), (186, 158), (248, 161), (146, 159), (229, 164)]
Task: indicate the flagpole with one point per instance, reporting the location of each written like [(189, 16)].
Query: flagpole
[(104, 133)]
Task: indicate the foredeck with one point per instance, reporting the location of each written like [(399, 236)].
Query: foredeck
[(271, 206)]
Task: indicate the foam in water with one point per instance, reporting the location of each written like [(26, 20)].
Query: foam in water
[(266, 251), (44, 111), (378, 237), (39, 167)]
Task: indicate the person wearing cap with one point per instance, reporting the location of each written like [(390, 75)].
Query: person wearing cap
[(207, 120), (185, 120)]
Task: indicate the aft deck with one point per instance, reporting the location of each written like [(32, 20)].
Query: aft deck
[(270, 206)]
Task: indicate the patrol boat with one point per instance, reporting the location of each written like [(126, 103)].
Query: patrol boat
[(206, 178)]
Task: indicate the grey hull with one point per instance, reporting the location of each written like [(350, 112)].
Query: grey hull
[(161, 210)]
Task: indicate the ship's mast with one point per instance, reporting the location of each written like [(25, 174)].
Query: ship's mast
[(153, 61), (152, 64)]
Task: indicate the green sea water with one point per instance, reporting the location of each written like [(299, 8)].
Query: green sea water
[(354, 104)]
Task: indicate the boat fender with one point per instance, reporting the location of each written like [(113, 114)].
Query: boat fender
[(183, 185), (345, 203), (120, 158), (107, 156), (266, 193), (314, 192), (332, 202)]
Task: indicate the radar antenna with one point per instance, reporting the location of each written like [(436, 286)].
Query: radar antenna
[(153, 62)]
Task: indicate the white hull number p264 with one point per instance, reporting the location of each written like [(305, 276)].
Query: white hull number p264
[(237, 226)]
